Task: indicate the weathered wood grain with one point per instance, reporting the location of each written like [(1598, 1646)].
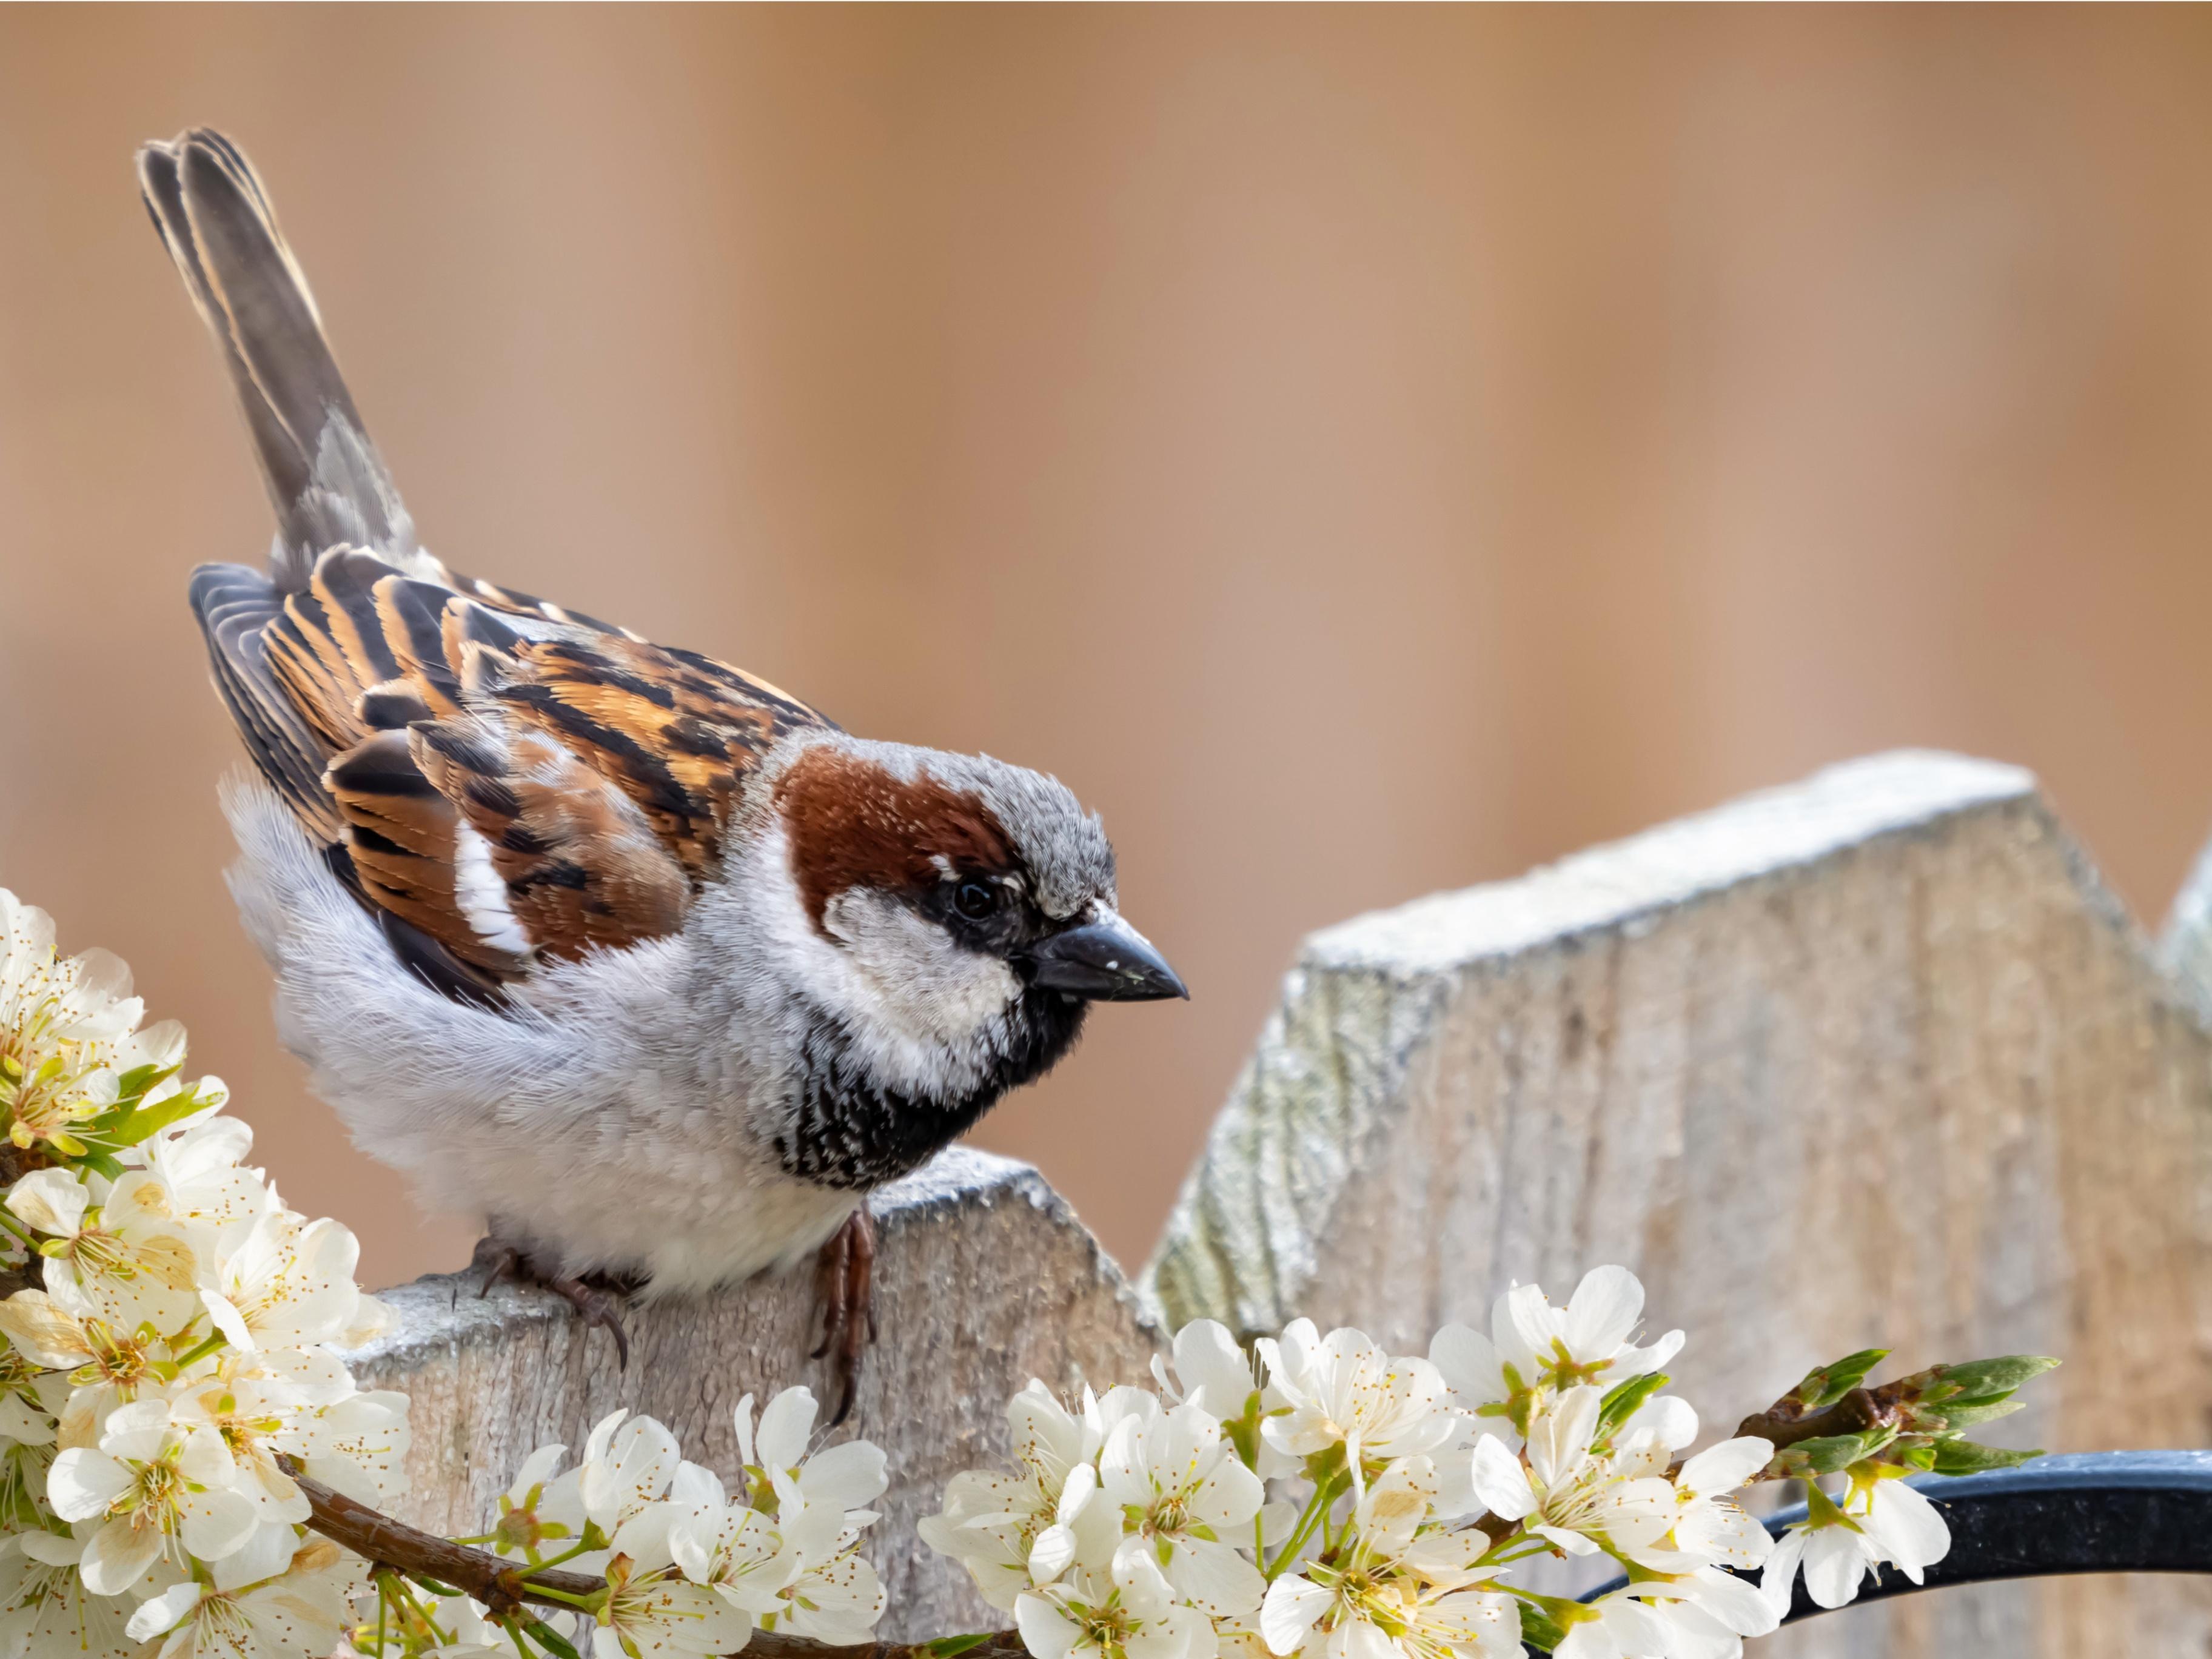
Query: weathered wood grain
[(1872, 1060), (984, 1279)]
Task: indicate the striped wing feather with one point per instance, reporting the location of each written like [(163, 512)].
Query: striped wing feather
[(502, 780), (499, 780)]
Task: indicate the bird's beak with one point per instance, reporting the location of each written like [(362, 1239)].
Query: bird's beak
[(1105, 960)]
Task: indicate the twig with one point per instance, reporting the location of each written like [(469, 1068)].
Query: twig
[(504, 1586), (500, 1584), (1786, 1421)]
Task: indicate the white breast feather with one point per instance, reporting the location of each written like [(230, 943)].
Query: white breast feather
[(609, 1120)]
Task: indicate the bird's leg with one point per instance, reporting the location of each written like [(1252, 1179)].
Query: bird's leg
[(596, 1303), (848, 1272)]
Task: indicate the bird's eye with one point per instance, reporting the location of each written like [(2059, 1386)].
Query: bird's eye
[(976, 899)]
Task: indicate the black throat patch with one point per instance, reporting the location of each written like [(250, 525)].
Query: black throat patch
[(847, 1131)]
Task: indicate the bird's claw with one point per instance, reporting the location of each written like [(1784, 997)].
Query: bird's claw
[(597, 1306), (499, 1262), (594, 1304), (847, 1268)]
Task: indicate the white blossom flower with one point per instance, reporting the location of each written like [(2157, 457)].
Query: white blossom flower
[(358, 1443), (1579, 1501), (125, 1269), (1882, 1522), (1710, 1612), (1709, 1527), (648, 1614), (628, 1463), (849, 1475), (1183, 1486), (733, 1550), (45, 1607), (1344, 1390), (160, 1490), (257, 1419), (1617, 1627), (193, 1178), (989, 1524), (1704, 1615), (105, 1368), (370, 1320), (1535, 1348), (539, 1510), (1909, 1530), (288, 1283), (1127, 1612), (1396, 1594), (836, 1598), (1209, 1369), (281, 1618), (1012, 1530), (31, 1400), (40, 1332), (68, 1031)]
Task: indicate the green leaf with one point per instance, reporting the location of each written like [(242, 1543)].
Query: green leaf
[(135, 1082), (1830, 1383), (1964, 1413), (550, 1639), (1832, 1453), (1920, 1455), (1539, 1632), (149, 1120), (1979, 1378), (948, 1647), (1621, 1401), (1965, 1457)]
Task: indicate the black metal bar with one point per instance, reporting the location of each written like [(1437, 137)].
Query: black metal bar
[(2147, 1511)]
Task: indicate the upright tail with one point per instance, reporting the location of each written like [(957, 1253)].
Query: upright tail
[(325, 479)]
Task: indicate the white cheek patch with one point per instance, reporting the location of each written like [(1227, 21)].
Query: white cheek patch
[(922, 983)]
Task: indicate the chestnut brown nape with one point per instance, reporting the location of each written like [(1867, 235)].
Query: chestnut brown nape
[(855, 824)]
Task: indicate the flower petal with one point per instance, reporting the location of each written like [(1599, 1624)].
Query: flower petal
[(1835, 1562), (1047, 1633), (1724, 1468), (164, 1612), (851, 1475), (1500, 1481), (118, 1555), (1214, 1578), (1602, 1315), (1286, 1616), (83, 1482), (786, 1426)]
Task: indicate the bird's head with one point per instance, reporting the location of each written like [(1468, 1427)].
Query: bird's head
[(954, 913)]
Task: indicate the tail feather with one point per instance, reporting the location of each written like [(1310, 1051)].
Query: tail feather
[(325, 479)]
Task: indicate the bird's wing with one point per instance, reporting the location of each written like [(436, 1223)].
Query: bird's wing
[(503, 782)]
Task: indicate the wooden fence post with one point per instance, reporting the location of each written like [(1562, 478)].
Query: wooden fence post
[(1872, 1060), (984, 1279)]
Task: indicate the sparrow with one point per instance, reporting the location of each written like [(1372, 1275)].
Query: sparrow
[(640, 960)]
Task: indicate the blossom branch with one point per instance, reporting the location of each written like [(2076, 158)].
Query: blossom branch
[(1789, 1421), (377, 1538), (505, 1586)]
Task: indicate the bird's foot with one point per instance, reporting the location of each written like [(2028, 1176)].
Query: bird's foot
[(848, 1271), (600, 1304)]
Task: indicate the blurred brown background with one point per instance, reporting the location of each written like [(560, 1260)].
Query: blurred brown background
[(1363, 451)]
